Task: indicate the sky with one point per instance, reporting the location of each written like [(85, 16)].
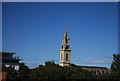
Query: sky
[(34, 31)]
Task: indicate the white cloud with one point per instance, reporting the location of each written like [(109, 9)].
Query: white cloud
[(32, 65), (108, 57), (97, 62)]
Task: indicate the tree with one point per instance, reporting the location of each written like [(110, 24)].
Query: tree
[(4, 68), (115, 66), (49, 63), (52, 71), (23, 69), (15, 75), (23, 72), (11, 73), (73, 65)]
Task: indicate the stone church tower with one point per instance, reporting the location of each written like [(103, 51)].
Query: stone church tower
[(65, 50)]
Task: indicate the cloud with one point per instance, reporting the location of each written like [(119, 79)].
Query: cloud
[(108, 57), (31, 64), (97, 62)]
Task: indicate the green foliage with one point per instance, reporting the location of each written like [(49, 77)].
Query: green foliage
[(23, 72), (50, 64), (73, 65), (14, 75), (4, 68), (23, 69), (115, 66), (51, 71)]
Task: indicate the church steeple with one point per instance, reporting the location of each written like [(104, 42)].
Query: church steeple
[(65, 50), (66, 32), (66, 28)]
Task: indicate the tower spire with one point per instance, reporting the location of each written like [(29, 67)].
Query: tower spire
[(66, 31)]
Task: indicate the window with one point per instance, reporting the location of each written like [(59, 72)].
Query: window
[(67, 47), (66, 56), (103, 72), (61, 56), (66, 40), (62, 47)]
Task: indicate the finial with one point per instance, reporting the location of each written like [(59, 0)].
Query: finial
[(66, 28)]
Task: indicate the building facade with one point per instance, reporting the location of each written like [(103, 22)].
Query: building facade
[(8, 59), (65, 50), (96, 70)]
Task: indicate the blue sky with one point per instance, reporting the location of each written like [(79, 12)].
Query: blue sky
[(34, 31)]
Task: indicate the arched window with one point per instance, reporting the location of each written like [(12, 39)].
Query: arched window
[(61, 57), (62, 47), (66, 40), (66, 56)]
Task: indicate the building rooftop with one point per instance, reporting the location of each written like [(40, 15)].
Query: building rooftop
[(92, 67), (11, 58), (6, 53)]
